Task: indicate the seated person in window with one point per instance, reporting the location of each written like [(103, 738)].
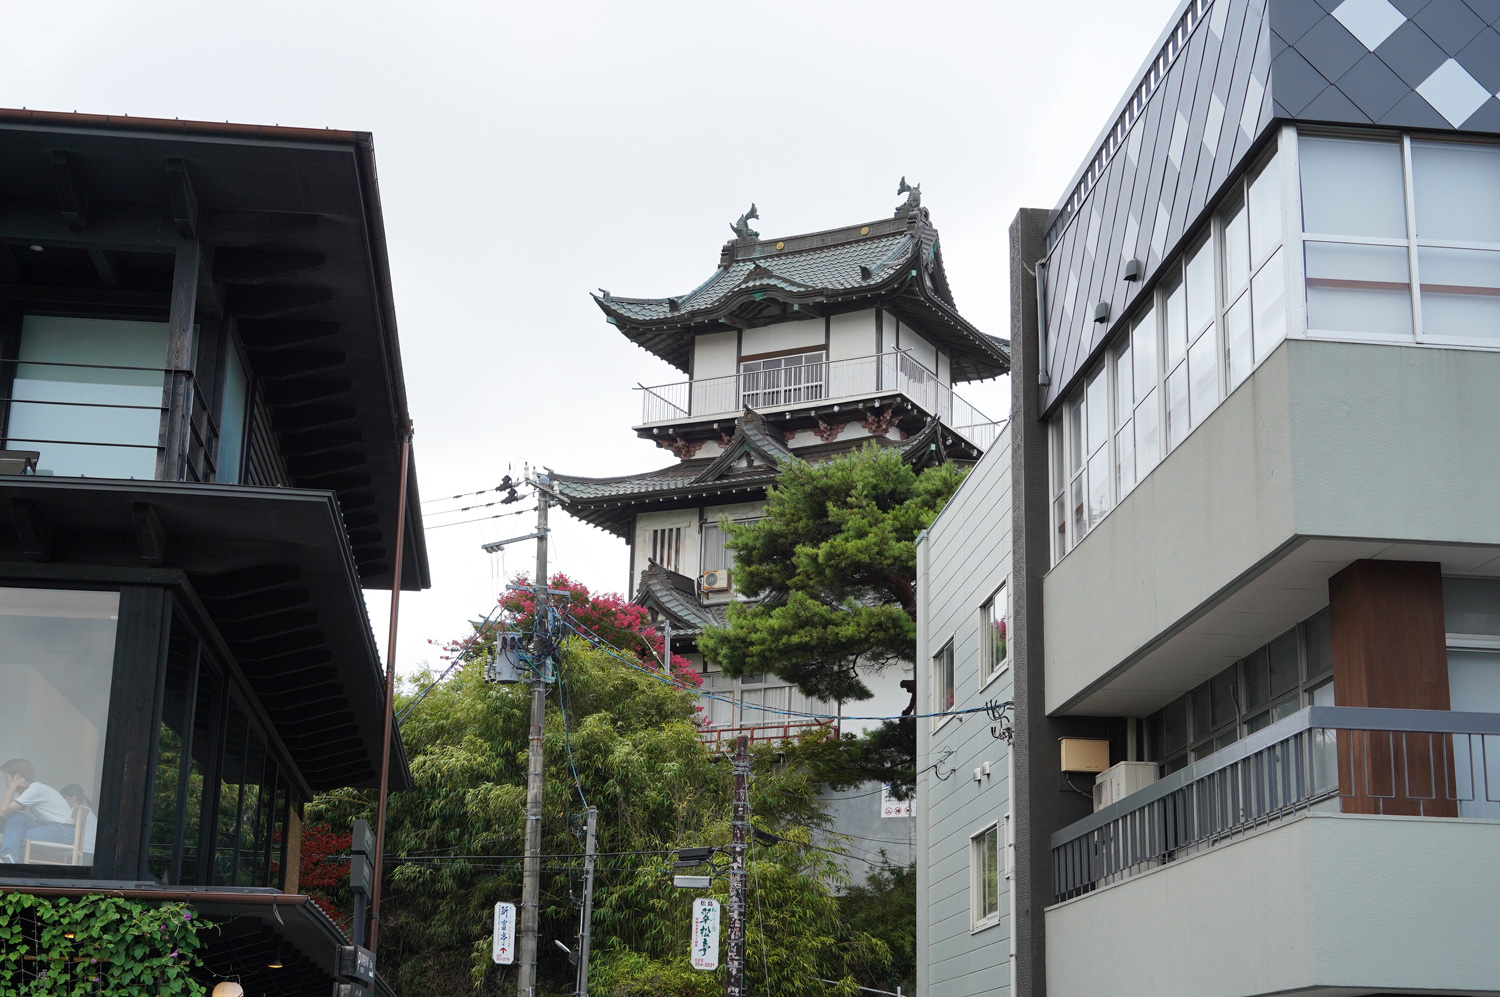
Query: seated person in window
[(77, 799), (33, 811)]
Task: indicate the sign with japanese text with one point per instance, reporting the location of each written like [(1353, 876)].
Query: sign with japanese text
[(505, 934), (892, 807), (705, 933)]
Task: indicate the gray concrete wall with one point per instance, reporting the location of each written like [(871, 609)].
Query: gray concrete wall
[(1326, 900), (1343, 440), (962, 560)]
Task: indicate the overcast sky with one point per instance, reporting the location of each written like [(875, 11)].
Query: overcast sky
[(530, 153)]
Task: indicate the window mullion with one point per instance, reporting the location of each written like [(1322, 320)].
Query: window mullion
[(1295, 294), (1411, 237)]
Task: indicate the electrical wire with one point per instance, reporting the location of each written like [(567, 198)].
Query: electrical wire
[(614, 652), (458, 659), (481, 519), (562, 699)]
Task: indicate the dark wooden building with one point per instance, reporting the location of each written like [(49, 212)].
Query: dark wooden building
[(201, 399)]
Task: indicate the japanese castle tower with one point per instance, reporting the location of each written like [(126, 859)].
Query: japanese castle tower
[(808, 346)]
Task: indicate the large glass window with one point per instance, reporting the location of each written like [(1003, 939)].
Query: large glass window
[(57, 650), (994, 634), (87, 395), (984, 876), (942, 679)]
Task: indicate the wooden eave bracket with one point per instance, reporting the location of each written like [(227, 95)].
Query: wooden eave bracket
[(71, 197), (32, 529)]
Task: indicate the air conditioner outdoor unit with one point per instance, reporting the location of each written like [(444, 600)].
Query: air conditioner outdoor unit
[(1120, 780), (714, 581)]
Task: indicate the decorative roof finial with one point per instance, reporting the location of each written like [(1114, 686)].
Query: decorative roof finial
[(742, 229), (913, 194)]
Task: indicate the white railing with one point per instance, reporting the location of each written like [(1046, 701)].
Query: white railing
[(796, 386)]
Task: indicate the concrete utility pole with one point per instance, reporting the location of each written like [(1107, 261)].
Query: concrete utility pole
[(590, 852), (740, 829), (531, 871)]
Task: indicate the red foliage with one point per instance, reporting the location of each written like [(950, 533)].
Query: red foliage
[(324, 866), (607, 616)]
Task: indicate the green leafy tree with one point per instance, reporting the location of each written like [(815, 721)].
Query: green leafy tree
[(884, 906), (835, 562), (455, 840)]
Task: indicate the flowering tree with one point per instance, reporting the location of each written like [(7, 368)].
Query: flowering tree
[(608, 617)]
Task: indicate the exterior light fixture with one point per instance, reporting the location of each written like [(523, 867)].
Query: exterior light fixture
[(68, 935), (36, 247), (275, 963), (692, 882), (228, 988)]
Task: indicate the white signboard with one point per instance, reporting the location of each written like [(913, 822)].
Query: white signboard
[(705, 933), (505, 934), (892, 807)]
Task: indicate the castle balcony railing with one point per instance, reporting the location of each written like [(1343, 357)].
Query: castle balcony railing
[(723, 738), (816, 385)]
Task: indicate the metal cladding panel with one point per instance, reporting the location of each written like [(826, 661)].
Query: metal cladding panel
[(1207, 110)]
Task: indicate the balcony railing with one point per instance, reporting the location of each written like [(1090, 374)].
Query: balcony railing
[(724, 737), (109, 421), (1373, 761), (806, 384)]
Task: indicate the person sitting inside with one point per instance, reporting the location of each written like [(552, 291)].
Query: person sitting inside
[(77, 799), (33, 811)]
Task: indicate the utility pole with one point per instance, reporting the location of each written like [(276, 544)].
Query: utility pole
[(531, 871), (590, 846), (666, 658), (740, 828)]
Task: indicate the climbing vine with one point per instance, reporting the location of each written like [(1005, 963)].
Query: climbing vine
[(98, 945)]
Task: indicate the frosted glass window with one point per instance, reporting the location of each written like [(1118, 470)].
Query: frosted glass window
[(1358, 289), (1236, 250), (1352, 187), (1177, 331), (1075, 436), (1474, 687), (1098, 486), (1460, 293), (1203, 368), (88, 394), (1098, 411), (1143, 348), (1177, 407), (1124, 384), (232, 418), (1200, 289), (1147, 435), (1269, 294), (57, 652), (1125, 458), (1241, 348), (1457, 192), (1265, 212)]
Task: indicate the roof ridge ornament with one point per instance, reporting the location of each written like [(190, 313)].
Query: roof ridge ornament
[(913, 200), (742, 229)]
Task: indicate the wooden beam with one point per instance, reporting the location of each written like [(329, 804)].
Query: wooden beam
[(177, 389), (71, 197), (265, 335), (10, 273), (104, 265), (264, 266), (273, 300), (290, 394), (311, 417), (32, 529), (254, 607), (184, 201), (247, 581), (230, 227), (150, 536), (111, 225)]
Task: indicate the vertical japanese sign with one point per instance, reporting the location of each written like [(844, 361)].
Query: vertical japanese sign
[(892, 807), (705, 933), (505, 934)]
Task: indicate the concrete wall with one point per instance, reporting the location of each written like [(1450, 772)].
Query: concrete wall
[(1341, 440), (962, 560), (1326, 900)]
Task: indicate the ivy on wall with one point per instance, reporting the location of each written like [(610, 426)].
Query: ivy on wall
[(98, 945)]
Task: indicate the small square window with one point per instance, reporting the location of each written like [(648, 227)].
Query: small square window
[(994, 634), (984, 876)]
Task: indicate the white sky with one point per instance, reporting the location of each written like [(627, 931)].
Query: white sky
[(532, 152)]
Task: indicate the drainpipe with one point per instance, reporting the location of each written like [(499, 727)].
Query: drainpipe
[(390, 688)]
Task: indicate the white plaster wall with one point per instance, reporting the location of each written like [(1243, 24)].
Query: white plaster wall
[(1326, 900), (783, 336), (648, 521), (962, 559), (920, 349), (852, 334), (715, 354)]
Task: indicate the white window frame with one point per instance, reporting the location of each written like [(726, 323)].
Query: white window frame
[(990, 670), (943, 712), (980, 919)]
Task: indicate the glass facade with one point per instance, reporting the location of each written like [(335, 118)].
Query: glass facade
[(57, 651), (1218, 311)]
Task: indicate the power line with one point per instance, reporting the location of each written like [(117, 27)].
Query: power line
[(481, 519)]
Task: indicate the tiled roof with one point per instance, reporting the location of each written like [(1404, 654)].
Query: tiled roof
[(676, 596)]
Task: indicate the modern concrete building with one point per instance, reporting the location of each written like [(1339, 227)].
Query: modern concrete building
[(1254, 568), (804, 346)]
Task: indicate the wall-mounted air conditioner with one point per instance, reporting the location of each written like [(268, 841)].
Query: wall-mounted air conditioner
[(1120, 780), (714, 581)]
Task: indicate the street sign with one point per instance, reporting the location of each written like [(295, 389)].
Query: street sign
[(892, 807), (361, 875), (504, 950), (705, 951), (362, 841)]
